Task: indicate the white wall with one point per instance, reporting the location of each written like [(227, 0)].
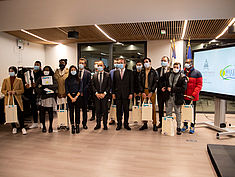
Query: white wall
[(159, 48), (11, 55), (54, 53)]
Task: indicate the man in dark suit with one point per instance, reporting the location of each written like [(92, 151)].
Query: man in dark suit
[(161, 87), (122, 90), (101, 88), (85, 77)]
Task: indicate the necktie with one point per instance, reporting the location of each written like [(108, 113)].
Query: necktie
[(80, 74), (101, 80)]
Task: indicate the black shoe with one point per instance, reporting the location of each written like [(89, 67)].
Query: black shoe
[(145, 126), (105, 127), (97, 127), (44, 130), (77, 128), (92, 118), (73, 129), (119, 128), (50, 130), (155, 128), (127, 127), (85, 127), (159, 125), (178, 131), (112, 122)]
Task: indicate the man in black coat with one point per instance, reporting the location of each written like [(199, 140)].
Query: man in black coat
[(161, 87), (85, 77), (101, 88), (148, 84), (122, 90)]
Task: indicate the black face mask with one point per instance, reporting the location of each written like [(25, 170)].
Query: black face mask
[(62, 66)]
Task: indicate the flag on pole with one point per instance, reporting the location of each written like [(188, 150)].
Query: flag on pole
[(173, 52), (189, 51)]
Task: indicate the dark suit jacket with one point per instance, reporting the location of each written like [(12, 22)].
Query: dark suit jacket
[(122, 88), (86, 83), (162, 79), (105, 87)]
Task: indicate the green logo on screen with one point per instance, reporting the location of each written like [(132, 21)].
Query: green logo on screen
[(228, 72)]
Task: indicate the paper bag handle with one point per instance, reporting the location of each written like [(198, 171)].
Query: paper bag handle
[(12, 100)]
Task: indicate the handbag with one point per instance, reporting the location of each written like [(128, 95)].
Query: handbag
[(113, 109), (136, 112), (187, 113), (62, 115), (168, 125), (147, 111), (11, 112)]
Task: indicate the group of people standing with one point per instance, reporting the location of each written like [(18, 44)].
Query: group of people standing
[(72, 86)]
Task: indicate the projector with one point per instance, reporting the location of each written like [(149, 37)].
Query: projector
[(73, 35)]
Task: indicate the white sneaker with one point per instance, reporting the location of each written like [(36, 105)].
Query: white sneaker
[(14, 130), (24, 132), (34, 125)]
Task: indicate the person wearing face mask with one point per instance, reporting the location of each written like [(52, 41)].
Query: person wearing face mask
[(136, 73), (13, 88), (73, 92), (122, 92), (46, 88), (116, 66), (92, 95), (31, 92), (194, 87), (175, 88), (85, 77), (161, 86), (148, 84), (60, 75), (101, 88)]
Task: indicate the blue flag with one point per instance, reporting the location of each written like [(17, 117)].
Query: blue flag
[(189, 52)]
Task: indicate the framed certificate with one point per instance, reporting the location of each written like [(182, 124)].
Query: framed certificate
[(47, 80)]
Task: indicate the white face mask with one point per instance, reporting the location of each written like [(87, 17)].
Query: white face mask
[(46, 73), (12, 73), (146, 65), (164, 63), (187, 65), (81, 66), (176, 70)]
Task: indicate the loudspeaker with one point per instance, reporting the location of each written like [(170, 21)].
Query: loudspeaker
[(73, 35)]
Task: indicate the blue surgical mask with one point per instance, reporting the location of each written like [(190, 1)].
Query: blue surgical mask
[(36, 68), (146, 65), (12, 73), (164, 64), (176, 70), (116, 65), (73, 72), (138, 67), (100, 68), (121, 66), (81, 66), (187, 65)]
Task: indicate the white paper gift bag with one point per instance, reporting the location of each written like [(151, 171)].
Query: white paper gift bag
[(168, 126), (136, 112), (11, 112), (147, 111), (62, 115), (187, 113), (113, 114)]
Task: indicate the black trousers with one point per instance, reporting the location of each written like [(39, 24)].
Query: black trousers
[(161, 101), (84, 102), (43, 115), (187, 102), (122, 105), (34, 108), (20, 115), (101, 109), (74, 106)]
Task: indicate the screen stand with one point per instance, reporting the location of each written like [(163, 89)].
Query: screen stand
[(219, 120)]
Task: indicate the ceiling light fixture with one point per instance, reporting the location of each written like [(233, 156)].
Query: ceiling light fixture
[(184, 30), (226, 29), (104, 33), (34, 35)]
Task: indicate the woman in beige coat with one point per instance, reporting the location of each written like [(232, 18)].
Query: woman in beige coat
[(13, 87)]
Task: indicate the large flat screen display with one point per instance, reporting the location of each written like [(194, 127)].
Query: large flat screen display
[(218, 70)]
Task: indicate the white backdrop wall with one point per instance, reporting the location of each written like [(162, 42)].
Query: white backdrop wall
[(11, 55), (157, 49), (56, 52)]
